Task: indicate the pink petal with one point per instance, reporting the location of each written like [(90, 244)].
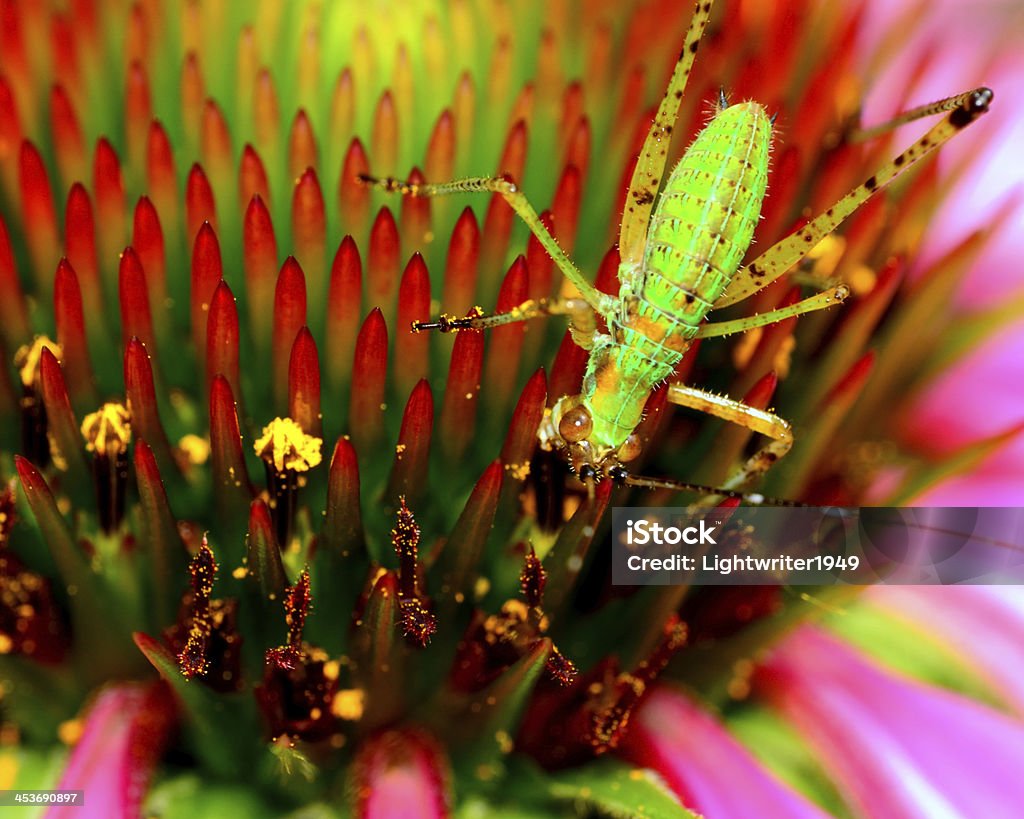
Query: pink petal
[(401, 775), (984, 623), (708, 770), (898, 748), (123, 738)]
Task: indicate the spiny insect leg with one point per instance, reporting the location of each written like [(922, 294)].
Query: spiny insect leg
[(581, 315), (819, 301), (736, 412), (775, 261), (650, 165), (521, 205)]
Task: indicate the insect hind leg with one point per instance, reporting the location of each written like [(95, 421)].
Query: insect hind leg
[(961, 111), (766, 423), (510, 192)]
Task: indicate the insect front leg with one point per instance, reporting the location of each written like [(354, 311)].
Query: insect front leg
[(962, 109), (582, 318), (757, 420), (508, 190)]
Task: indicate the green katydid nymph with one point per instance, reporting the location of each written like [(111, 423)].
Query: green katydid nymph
[(681, 253)]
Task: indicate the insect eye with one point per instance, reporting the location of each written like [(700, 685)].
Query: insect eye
[(575, 425), (630, 448)]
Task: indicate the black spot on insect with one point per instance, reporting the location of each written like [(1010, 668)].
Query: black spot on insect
[(871, 184), (807, 237), (899, 160), (694, 46), (679, 95), (643, 197), (755, 271), (689, 298), (771, 457)]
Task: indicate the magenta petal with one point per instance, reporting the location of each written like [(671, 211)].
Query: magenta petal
[(708, 770), (123, 737), (401, 775), (983, 623), (898, 748)]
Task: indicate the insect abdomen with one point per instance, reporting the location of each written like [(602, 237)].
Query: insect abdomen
[(705, 217)]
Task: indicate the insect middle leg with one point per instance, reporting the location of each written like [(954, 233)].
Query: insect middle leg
[(757, 420), (962, 110), (508, 190)]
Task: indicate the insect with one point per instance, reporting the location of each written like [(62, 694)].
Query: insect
[(681, 254)]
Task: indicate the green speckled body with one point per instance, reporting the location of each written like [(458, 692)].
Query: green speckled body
[(699, 232)]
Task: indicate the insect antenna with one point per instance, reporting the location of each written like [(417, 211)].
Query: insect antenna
[(752, 498)]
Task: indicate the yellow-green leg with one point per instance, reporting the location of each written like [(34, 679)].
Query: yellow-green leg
[(775, 261), (736, 412), (650, 165), (508, 190), (582, 318), (819, 301)]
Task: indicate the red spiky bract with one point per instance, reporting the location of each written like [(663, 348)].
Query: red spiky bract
[(343, 519), (252, 178), (304, 384), (207, 271), (409, 472), (522, 429), (302, 150), (267, 113), (384, 142), (141, 396), (565, 209), (60, 417), (462, 265), (384, 260), (200, 208), (499, 219), (230, 476), (15, 328), (259, 249), (461, 393), (80, 245), (67, 310), (783, 184), (354, 197), (111, 208), (289, 318), (505, 344), (439, 164), (369, 370), (415, 216), (215, 143), (309, 229), (138, 112), (136, 316), (148, 241), (68, 139), (222, 337), (567, 369), (539, 262), (193, 92), (39, 217), (412, 350), (344, 308), (161, 176), (343, 107)]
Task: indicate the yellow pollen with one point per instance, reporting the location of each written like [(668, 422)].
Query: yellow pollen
[(286, 446), (26, 359), (70, 731), (195, 449), (348, 704), (108, 431)]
